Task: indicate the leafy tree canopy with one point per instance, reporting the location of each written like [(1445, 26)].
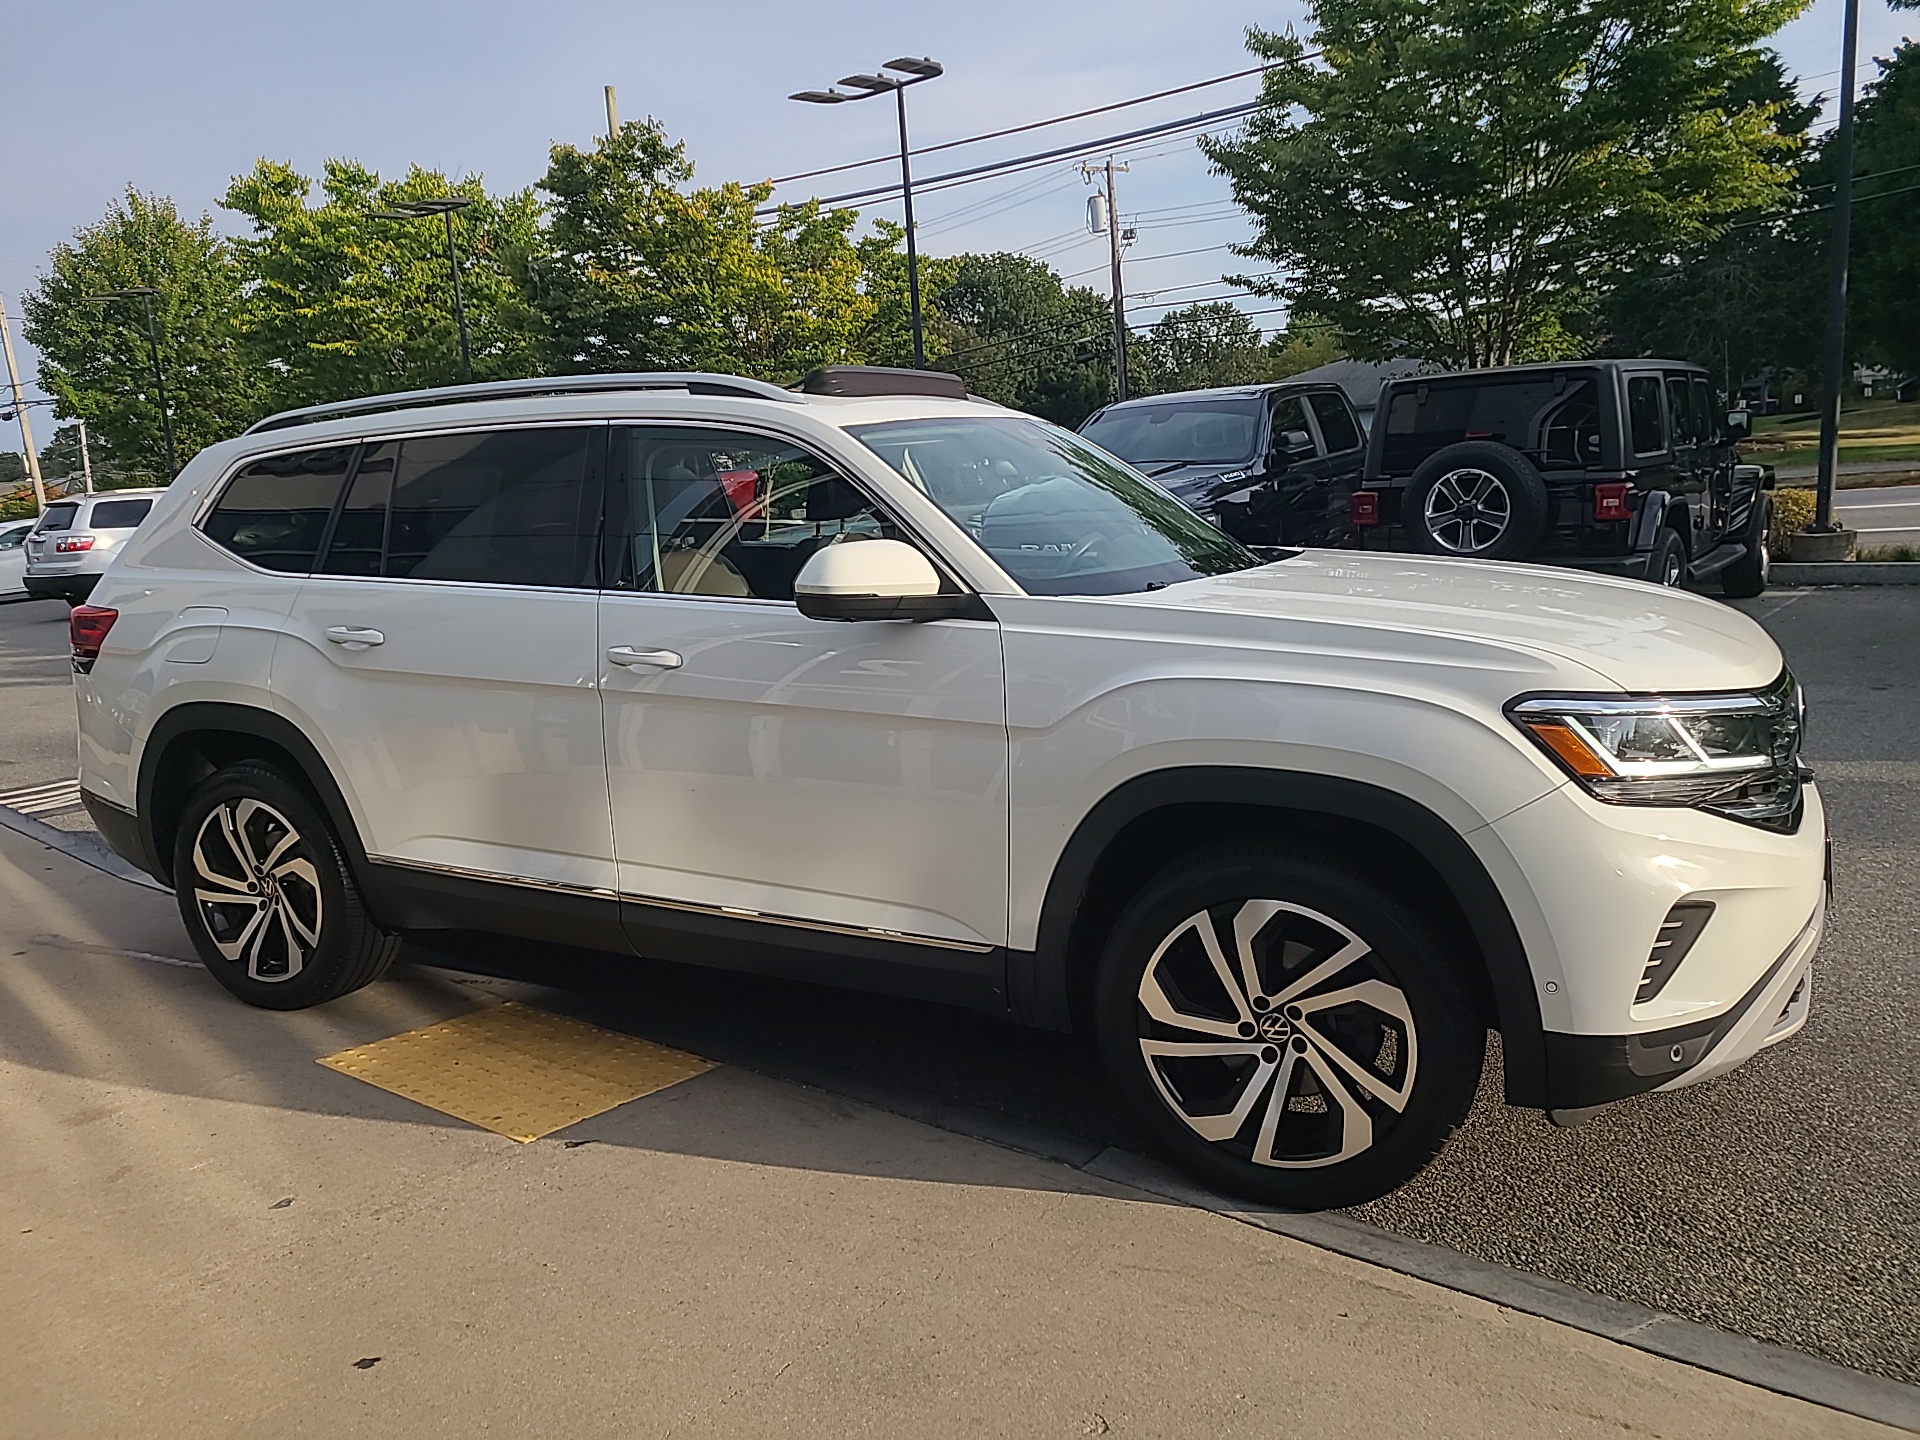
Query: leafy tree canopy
[(1454, 179), (343, 304), (1197, 346), (1021, 337), (94, 357), (1884, 288)]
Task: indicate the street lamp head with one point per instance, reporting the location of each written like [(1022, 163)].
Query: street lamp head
[(132, 292), (391, 215), (822, 97), (439, 205), (923, 68), (872, 84)]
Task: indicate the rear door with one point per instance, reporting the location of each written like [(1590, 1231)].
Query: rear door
[(444, 652), (1649, 451), (1294, 505)]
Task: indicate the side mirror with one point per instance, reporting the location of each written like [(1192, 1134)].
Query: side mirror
[(874, 580), (1293, 442), (1739, 424)]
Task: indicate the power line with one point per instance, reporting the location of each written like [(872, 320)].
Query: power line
[(1143, 259), (1031, 125)]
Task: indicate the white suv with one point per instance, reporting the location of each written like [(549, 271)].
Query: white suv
[(872, 683)]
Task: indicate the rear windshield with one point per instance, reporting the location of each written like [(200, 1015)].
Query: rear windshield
[(1219, 430), (1553, 417), (58, 517), (118, 514)]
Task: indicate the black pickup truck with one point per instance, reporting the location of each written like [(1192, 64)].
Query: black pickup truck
[(1625, 466), (1271, 464)]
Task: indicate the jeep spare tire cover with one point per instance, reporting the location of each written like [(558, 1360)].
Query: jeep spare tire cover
[(1478, 499)]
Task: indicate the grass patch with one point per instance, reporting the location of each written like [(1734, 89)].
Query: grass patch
[(1870, 430), (1888, 552)]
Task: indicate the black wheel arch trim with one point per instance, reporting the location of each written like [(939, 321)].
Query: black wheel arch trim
[(1041, 983)]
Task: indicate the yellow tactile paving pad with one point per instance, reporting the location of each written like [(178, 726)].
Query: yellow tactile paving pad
[(517, 1071)]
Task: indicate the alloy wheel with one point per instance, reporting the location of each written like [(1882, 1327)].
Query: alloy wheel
[(1467, 511), (1277, 1033), (256, 889)]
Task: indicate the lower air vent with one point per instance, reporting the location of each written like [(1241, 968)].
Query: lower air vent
[(1677, 933)]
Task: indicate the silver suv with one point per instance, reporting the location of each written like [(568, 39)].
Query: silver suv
[(70, 547), (874, 683)]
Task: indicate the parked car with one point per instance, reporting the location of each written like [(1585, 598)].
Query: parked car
[(76, 537), (13, 559), (871, 683), (1269, 464), (1623, 466)]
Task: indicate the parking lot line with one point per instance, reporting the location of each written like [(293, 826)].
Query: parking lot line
[(516, 1070)]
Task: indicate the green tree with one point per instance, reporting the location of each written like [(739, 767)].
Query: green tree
[(1197, 346), (640, 272), (1884, 287), (94, 358), (1458, 180), (1021, 337), (342, 304), (1307, 343)]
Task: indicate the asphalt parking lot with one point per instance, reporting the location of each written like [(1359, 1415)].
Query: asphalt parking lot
[(1781, 1202)]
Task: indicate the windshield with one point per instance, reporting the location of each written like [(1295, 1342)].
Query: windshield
[(1219, 430), (1057, 515)]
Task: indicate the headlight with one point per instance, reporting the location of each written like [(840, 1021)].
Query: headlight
[(1737, 755)]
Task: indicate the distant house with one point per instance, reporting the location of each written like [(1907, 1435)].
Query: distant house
[(1362, 380)]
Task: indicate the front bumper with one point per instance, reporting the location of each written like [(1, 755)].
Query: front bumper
[(1588, 1071)]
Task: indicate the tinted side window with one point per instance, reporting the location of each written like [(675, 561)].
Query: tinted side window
[(1290, 414), (275, 511), (1686, 427), (725, 513), (1705, 417), (1644, 421), (507, 507), (13, 539), (118, 514), (360, 534), (1336, 422)]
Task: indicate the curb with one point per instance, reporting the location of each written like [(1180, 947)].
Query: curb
[(83, 848), (1846, 572)]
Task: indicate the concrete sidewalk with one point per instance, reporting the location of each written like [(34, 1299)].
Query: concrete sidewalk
[(206, 1233)]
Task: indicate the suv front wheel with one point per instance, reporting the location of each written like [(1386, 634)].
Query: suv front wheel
[(267, 896), (1284, 1029)]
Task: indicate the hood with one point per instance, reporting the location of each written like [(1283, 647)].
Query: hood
[(1639, 636)]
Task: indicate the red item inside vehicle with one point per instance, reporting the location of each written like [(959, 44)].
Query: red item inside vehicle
[(743, 492)]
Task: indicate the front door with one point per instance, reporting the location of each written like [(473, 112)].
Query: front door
[(793, 777), (445, 649)]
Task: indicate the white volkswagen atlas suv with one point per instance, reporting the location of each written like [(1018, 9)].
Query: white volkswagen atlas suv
[(872, 683)]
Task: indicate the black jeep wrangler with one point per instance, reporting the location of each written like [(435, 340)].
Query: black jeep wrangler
[(1271, 464), (1619, 465)]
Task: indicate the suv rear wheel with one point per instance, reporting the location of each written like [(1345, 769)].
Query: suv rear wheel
[(267, 897), (1285, 1029)]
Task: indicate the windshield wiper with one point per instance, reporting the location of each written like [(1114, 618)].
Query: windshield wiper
[(1190, 460)]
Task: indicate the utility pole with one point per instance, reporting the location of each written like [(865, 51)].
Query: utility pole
[(1834, 377), (1087, 172), (613, 114), (86, 458), (20, 409)]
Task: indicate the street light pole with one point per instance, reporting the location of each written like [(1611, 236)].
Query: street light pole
[(145, 294), (869, 86), (444, 206), (1834, 377), (20, 409)]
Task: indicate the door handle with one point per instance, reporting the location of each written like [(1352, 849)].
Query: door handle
[(354, 636), (627, 655)]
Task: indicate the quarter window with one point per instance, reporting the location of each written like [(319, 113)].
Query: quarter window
[(1644, 419), (274, 512), (118, 514), (726, 513), (1336, 422)]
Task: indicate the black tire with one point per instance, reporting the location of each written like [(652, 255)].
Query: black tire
[(1408, 1021), (1478, 500), (295, 932), (1667, 565), (1748, 576)]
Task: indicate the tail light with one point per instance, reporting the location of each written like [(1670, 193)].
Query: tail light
[(1366, 507), (72, 544), (1610, 500), (87, 627)]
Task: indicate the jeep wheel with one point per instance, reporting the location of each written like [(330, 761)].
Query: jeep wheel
[(1478, 500), (1667, 565), (1748, 576), (1284, 1029), (266, 894)]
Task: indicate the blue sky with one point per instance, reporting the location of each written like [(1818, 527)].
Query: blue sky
[(178, 97)]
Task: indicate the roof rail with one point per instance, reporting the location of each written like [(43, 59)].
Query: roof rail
[(692, 381)]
